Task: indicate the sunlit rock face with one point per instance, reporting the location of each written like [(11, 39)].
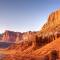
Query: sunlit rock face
[(53, 23), (30, 37), (18, 37), (10, 36), (51, 29), (54, 18)]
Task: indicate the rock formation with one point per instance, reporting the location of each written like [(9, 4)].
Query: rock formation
[(40, 45), (53, 23), (11, 36), (18, 37), (51, 29)]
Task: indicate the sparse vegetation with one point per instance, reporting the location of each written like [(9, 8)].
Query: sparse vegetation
[(54, 55)]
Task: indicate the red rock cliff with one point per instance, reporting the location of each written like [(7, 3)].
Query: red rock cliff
[(53, 23), (10, 36)]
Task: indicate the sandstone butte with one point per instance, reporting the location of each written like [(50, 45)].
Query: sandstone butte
[(40, 45)]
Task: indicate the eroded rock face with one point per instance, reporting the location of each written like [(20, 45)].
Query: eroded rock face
[(30, 38), (10, 36), (18, 36), (53, 23), (52, 26), (51, 30)]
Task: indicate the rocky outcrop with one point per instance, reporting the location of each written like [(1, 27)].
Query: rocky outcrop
[(30, 37), (53, 23), (11, 36), (18, 37), (51, 29)]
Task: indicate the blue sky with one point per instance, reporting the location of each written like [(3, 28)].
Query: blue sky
[(25, 15)]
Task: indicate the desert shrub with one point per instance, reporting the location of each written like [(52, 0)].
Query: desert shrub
[(46, 57), (54, 55)]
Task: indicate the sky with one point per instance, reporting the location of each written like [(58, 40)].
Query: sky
[(25, 15)]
